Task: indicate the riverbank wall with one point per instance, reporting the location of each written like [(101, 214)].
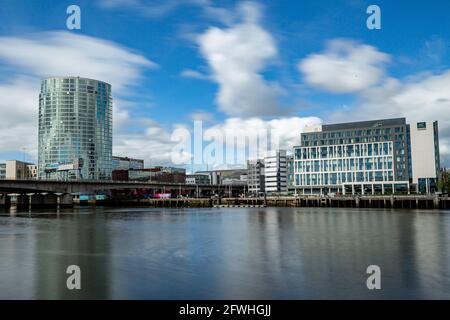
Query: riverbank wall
[(399, 202)]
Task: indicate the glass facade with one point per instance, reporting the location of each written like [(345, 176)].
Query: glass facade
[(358, 157), (394, 130), (75, 129), (339, 164)]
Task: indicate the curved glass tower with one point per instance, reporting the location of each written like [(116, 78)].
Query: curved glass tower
[(75, 129)]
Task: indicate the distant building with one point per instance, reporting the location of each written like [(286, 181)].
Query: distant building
[(255, 176), (156, 174), (227, 175), (198, 179), (125, 163), (18, 170), (367, 157), (75, 129), (2, 170), (275, 172), (242, 181)]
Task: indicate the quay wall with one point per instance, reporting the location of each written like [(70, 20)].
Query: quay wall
[(400, 202)]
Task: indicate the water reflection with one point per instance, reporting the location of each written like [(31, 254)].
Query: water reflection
[(283, 253)]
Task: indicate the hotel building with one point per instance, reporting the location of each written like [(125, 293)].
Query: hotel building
[(368, 157)]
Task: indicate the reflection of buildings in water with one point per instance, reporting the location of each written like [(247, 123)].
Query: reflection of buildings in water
[(74, 239), (432, 254), (339, 245), (322, 253), (17, 247), (254, 260)]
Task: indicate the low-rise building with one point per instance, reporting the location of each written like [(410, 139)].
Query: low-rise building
[(125, 163), (219, 176), (198, 179), (156, 174), (15, 170)]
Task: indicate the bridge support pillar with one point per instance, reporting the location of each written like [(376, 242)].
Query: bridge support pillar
[(36, 200), (5, 200), (65, 200), (22, 200), (50, 200)]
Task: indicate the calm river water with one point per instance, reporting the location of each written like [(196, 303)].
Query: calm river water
[(236, 253)]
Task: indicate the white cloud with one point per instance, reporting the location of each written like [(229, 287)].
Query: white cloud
[(237, 55), (41, 55), (19, 114), (201, 115), (423, 97), (63, 53), (156, 147), (287, 129), (189, 73), (345, 67)]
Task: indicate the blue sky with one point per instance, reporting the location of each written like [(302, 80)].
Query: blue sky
[(233, 64)]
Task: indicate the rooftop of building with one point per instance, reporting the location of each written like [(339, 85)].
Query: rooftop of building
[(74, 77), (364, 124), (360, 125), (126, 159)]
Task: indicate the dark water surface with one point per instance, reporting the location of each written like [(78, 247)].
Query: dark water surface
[(270, 253)]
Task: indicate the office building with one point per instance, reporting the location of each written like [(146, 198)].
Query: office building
[(241, 181), (367, 157), (75, 129), (225, 175), (425, 156), (255, 176), (156, 174), (125, 163), (198, 179), (18, 170), (275, 172)]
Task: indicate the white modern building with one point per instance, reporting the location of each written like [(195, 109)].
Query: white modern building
[(425, 157), (368, 157), (275, 172)]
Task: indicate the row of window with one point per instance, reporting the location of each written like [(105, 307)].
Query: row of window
[(337, 178), (343, 151), (350, 164), (352, 133)]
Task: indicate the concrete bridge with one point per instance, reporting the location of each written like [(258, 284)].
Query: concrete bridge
[(51, 192), (86, 186)]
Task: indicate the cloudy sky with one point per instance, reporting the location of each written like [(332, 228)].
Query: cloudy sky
[(235, 65)]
